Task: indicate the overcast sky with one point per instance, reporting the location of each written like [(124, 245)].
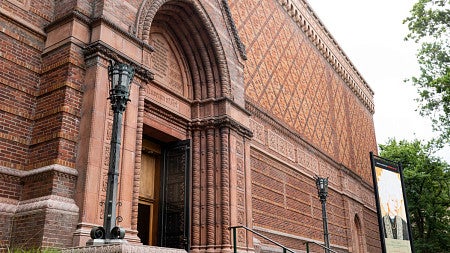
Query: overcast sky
[(371, 34)]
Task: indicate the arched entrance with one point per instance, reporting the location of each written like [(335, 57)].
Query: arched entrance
[(184, 189), (163, 217)]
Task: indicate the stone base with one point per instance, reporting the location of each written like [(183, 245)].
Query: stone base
[(100, 242), (119, 247)]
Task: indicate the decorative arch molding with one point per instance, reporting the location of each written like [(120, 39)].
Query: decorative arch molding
[(198, 39)]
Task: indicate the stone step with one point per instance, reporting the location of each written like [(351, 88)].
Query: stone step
[(120, 248)]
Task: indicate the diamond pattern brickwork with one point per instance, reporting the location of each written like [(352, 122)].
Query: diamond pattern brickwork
[(287, 77)]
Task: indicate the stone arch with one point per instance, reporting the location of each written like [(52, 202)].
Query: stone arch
[(191, 26)]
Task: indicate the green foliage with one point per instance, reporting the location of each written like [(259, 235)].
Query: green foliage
[(429, 26), (427, 182)]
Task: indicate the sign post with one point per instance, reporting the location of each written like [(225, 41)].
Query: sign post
[(393, 218)]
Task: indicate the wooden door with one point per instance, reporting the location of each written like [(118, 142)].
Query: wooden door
[(149, 193)]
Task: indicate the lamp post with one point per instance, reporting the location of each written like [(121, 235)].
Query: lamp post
[(322, 190), (120, 76)]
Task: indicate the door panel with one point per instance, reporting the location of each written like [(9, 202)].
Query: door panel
[(149, 193), (174, 216), (148, 172)]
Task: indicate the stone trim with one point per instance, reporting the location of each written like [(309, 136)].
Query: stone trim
[(9, 208), (66, 19), (77, 15), (237, 39), (154, 109), (281, 129), (13, 173), (47, 202), (341, 187), (306, 19), (20, 22), (101, 48), (22, 174), (127, 34)]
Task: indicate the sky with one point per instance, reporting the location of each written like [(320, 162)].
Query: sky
[(371, 33)]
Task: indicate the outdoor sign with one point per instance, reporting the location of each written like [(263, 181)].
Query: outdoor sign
[(395, 229)]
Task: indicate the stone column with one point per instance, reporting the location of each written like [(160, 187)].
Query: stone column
[(221, 189)]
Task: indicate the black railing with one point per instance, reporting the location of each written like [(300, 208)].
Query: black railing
[(318, 244), (285, 249)]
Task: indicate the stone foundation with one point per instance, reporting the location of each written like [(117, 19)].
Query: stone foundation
[(118, 248), (45, 215)]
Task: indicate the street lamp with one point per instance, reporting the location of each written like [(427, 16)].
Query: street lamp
[(322, 190), (120, 76)]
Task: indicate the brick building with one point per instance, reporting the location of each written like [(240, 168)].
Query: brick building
[(235, 106)]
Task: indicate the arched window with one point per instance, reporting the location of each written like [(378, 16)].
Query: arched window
[(357, 236)]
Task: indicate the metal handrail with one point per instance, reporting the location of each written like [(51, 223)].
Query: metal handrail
[(318, 244), (285, 249)]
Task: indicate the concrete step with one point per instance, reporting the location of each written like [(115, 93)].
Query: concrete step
[(119, 248)]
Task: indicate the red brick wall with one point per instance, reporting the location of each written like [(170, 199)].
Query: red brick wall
[(19, 79), (10, 187), (372, 232), (28, 229), (287, 77), (5, 230), (36, 12), (286, 201), (42, 228), (40, 100), (10, 192), (41, 93)]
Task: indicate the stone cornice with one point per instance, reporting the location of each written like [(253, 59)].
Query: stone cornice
[(127, 34), (100, 48), (306, 19), (221, 121), (77, 15), (163, 113)]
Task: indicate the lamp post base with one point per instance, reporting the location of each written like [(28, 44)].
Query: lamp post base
[(98, 242)]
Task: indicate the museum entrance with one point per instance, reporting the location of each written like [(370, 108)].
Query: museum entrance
[(163, 209)]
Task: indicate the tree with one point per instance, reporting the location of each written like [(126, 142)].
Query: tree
[(427, 183), (429, 26)]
